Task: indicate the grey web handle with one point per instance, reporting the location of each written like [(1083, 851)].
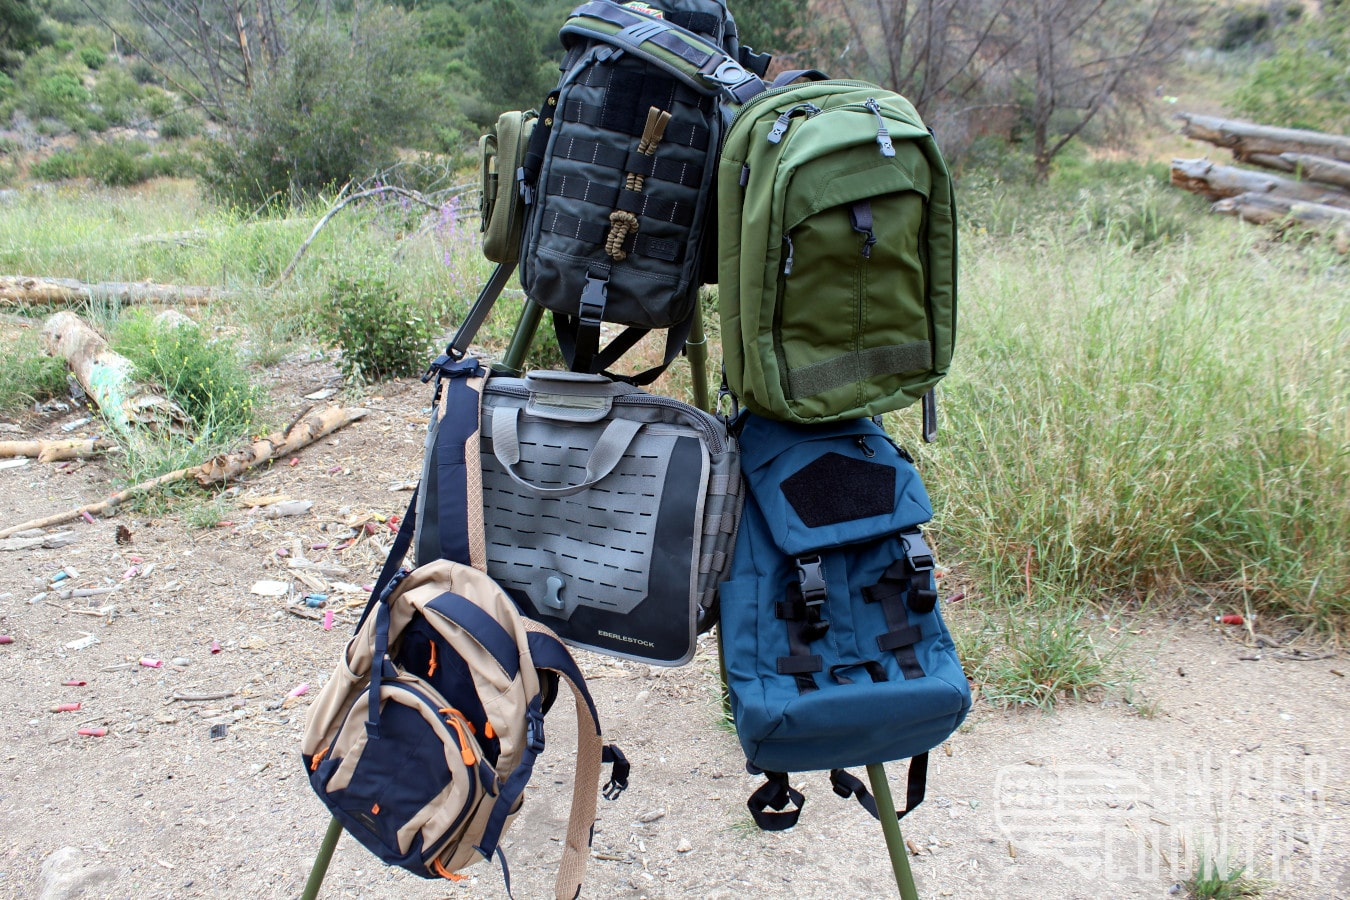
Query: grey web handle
[(605, 455)]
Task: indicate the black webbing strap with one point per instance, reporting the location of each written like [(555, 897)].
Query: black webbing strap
[(566, 328), (898, 583), (930, 416), (801, 612), (596, 232), (860, 216), (651, 168), (590, 313), (717, 70), (608, 196), (916, 786), (775, 794), (478, 313), (686, 134)]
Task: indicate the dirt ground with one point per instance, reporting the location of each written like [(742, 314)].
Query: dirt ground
[(1237, 750)]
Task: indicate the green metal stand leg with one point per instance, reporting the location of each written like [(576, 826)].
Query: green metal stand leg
[(895, 844), (514, 360), (696, 348), (321, 861)]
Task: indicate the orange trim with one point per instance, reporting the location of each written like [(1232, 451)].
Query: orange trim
[(439, 868), (431, 666), (318, 758), (375, 810), (488, 731)]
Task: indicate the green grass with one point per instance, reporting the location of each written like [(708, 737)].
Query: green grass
[(1215, 880), (1147, 425), (28, 376)]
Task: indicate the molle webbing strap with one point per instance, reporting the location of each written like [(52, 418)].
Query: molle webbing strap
[(651, 168), (900, 636), (611, 197), (801, 612), (685, 134), (595, 232), (865, 365)]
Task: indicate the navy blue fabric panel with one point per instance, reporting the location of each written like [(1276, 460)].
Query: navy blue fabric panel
[(482, 628), (451, 488)]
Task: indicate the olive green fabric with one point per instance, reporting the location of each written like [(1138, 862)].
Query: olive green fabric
[(820, 320), (500, 154)]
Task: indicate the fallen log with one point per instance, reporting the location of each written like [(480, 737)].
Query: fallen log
[(25, 290), (52, 451), (305, 430), (1264, 209), (1318, 168), (1247, 138), (107, 378), (1200, 176)]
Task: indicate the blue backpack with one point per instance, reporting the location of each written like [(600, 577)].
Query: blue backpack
[(835, 650)]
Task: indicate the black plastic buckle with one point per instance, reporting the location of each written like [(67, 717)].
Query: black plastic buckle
[(594, 296), (920, 557), (436, 365), (534, 732), (811, 578)]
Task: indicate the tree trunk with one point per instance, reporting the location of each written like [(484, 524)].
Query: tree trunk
[(107, 378), (1247, 138), (1200, 176), (1319, 168), (24, 290), (52, 451)]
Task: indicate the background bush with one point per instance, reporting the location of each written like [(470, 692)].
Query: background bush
[(381, 334)]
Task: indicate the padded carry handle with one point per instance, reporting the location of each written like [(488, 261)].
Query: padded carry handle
[(572, 396), (605, 455)]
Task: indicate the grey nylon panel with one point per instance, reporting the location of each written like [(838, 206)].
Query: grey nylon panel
[(817, 378), (604, 532)]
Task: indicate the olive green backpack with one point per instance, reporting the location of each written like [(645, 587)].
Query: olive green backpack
[(836, 253)]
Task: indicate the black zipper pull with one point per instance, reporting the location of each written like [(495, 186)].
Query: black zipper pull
[(866, 450), (883, 136)]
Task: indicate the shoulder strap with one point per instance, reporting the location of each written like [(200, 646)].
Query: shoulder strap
[(549, 653)]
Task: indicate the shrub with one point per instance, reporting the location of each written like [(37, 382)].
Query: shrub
[(92, 57), (28, 375), (180, 124), (62, 165), (60, 95), (381, 334), (203, 376), (143, 72), (333, 110), (1305, 83)]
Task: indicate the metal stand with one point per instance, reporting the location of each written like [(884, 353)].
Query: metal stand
[(696, 349)]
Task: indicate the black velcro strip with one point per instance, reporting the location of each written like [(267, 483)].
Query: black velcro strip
[(835, 488)]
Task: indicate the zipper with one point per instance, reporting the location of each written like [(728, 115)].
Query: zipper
[(704, 423), (780, 125), (883, 136), (787, 257), (768, 95)]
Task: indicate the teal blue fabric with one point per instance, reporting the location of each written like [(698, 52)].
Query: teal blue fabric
[(850, 719)]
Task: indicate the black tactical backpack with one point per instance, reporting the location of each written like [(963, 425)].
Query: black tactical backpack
[(618, 179)]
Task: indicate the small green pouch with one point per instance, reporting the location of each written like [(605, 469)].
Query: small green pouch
[(500, 154)]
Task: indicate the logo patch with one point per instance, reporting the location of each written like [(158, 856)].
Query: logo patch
[(645, 8)]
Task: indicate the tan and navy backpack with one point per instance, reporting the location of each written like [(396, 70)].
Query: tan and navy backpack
[(422, 741)]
